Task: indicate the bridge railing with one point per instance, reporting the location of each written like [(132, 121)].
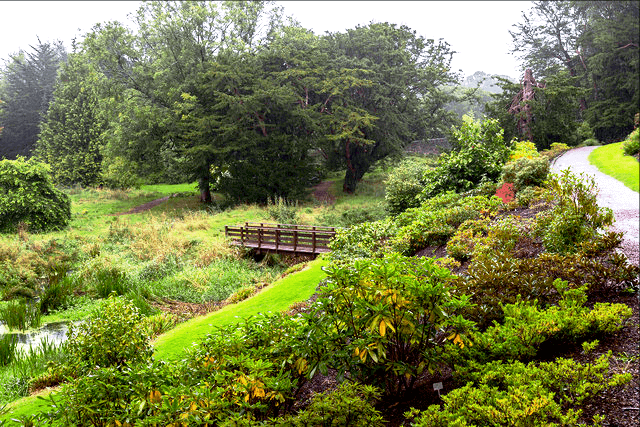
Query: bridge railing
[(282, 237)]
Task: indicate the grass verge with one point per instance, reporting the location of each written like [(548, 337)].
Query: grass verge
[(610, 160), (279, 296), (276, 297)]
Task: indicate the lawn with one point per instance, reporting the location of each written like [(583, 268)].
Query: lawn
[(610, 160)]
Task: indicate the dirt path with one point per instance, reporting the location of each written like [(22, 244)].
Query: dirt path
[(613, 194), (143, 207), (321, 193)]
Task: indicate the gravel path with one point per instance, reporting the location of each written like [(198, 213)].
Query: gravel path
[(613, 194)]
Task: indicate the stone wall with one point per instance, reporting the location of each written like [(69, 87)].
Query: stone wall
[(428, 146)]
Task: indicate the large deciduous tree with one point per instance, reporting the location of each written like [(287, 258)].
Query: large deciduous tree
[(28, 80), (397, 101), (184, 55)]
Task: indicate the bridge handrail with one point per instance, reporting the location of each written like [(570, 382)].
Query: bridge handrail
[(298, 238)]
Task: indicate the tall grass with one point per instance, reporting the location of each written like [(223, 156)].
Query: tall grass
[(110, 281), (213, 282), (18, 376), (20, 315), (8, 344), (282, 210)]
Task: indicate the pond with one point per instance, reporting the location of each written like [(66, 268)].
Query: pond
[(53, 333)]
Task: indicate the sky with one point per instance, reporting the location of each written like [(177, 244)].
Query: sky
[(477, 30)]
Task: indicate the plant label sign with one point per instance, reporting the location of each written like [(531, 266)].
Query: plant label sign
[(437, 387)]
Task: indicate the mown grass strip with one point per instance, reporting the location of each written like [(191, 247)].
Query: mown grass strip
[(610, 160), (278, 296)]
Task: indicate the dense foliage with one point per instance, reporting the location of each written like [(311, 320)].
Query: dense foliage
[(555, 110), (596, 43), (455, 284), (28, 198), (253, 107), (478, 155)]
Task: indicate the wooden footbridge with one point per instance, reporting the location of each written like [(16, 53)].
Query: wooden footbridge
[(264, 237)]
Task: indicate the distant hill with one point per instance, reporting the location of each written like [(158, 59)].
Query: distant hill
[(486, 81), (487, 87)]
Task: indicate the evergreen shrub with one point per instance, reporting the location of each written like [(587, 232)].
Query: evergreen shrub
[(28, 198), (525, 172)]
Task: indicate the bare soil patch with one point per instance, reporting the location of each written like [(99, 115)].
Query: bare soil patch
[(321, 193)]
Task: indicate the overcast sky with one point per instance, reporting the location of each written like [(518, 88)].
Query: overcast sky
[(478, 31)]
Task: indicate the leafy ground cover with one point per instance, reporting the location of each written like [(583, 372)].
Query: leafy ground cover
[(611, 160)]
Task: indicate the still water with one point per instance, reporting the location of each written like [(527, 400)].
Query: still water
[(53, 333)]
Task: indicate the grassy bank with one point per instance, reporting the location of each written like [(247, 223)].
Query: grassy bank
[(610, 160)]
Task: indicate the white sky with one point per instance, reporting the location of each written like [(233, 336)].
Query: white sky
[(476, 30)]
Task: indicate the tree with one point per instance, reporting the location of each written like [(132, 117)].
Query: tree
[(162, 68), (398, 98), (595, 42), (72, 133), (28, 83), (609, 49), (547, 38), (550, 110)]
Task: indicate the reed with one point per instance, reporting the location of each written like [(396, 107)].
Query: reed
[(20, 315), (7, 349)]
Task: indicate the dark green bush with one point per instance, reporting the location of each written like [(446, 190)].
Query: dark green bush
[(526, 327), (349, 405), (436, 220), (28, 197), (575, 216), (120, 174), (499, 278), (525, 172), (382, 320), (369, 239), (515, 394)]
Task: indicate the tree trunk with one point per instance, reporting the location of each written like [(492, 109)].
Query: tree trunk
[(205, 190), (350, 182), (358, 164)]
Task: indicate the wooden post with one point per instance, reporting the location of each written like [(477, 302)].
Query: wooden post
[(313, 246)]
